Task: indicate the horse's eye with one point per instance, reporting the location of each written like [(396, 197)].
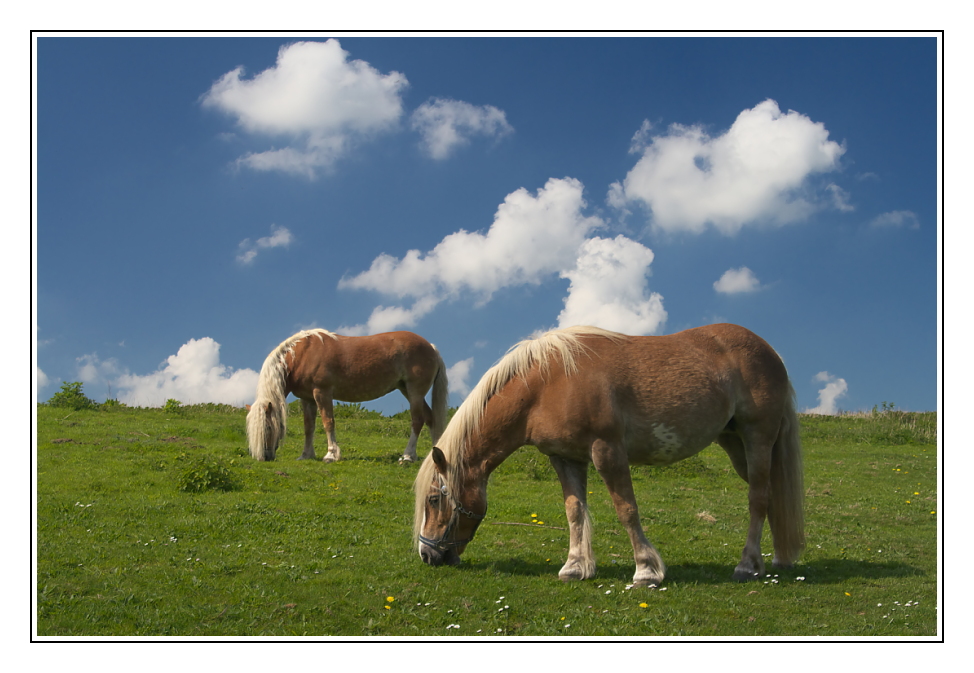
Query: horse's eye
[(435, 500)]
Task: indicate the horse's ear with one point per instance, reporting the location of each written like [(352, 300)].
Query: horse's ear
[(439, 460), (247, 407)]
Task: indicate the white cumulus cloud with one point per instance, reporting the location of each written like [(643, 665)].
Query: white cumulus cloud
[(446, 124), (735, 281), (754, 172), (315, 99), (247, 250), (459, 377), (608, 288), (194, 375), (42, 379), (828, 395), (533, 237)]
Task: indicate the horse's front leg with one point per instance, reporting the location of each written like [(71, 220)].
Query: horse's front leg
[(310, 409), (327, 411), (581, 561), (613, 466)]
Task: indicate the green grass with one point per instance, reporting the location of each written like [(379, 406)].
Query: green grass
[(130, 543)]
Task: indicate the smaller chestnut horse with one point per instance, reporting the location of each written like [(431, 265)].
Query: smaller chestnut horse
[(317, 366), (586, 395)]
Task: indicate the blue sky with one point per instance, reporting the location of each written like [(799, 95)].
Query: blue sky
[(200, 199)]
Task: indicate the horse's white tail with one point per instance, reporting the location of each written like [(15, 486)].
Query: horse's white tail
[(267, 418), (441, 394), (786, 512)]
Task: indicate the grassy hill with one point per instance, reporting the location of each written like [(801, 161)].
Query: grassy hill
[(156, 522)]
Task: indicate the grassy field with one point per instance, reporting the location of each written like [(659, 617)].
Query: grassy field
[(156, 522)]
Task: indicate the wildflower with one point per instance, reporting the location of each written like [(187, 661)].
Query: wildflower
[(847, 593), (389, 599), (644, 605), (534, 516)]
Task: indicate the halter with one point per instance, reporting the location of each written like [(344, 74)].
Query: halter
[(443, 544)]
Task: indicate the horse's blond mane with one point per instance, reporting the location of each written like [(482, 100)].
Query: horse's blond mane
[(519, 359)]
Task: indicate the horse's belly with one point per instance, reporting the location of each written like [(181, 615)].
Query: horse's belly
[(662, 444)]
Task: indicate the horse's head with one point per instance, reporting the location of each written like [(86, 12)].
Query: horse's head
[(450, 519), (264, 430)]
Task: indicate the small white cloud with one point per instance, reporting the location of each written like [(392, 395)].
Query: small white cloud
[(897, 218), (193, 375), (840, 198), (315, 99), (280, 238), (447, 124), (827, 396), (608, 288), (735, 281), (755, 172), (93, 371), (42, 379), (458, 376), (389, 318)]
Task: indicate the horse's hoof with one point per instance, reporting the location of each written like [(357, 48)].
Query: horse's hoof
[(745, 576), (329, 459), (311, 457), (648, 584), (406, 459)]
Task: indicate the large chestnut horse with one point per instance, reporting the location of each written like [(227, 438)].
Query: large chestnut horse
[(317, 367), (585, 395)]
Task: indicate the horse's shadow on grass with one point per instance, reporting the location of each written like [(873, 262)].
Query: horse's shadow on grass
[(821, 571)]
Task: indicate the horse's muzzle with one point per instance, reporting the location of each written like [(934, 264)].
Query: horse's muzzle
[(437, 557)]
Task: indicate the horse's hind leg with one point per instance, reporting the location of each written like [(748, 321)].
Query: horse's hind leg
[(419, 413), (756, 446), (573, 476), (310, 409), (613, 466), (327, 411)]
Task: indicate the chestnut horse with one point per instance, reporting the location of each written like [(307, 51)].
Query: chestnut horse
[(317, 367), (584, 394)]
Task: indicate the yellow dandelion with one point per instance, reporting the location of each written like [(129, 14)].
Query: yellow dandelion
[(534, 516), (387, 607), (847, 593), (541, 523), (389, 599), (643, 605)]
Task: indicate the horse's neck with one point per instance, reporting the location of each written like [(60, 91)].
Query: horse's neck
[(502, 432)]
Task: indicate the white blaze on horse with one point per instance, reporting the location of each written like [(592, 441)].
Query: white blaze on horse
[(584, 395), (317, 367)]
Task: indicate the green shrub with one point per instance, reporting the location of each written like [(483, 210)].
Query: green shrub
[(206, 474), (173, 406), (71, 397)]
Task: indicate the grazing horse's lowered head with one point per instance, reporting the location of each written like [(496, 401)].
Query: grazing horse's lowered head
[(455, 522), (265, 429)]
